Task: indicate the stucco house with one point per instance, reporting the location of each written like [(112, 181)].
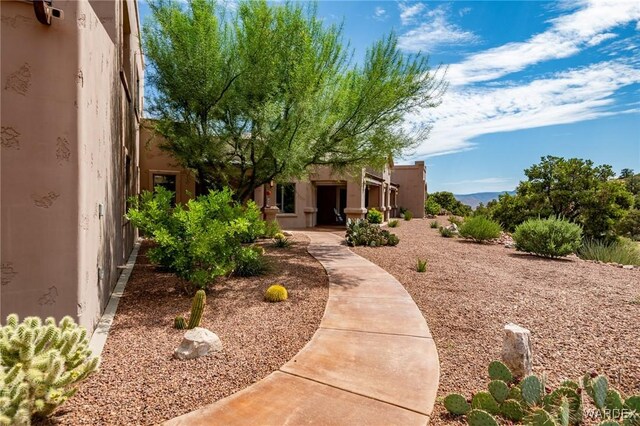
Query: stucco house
[(71, 104), (325, 198)]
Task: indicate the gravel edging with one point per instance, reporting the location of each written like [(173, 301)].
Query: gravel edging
[(140, 383), (583, 316)]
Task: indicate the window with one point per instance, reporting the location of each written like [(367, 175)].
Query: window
[(168, 182), (286, 197)]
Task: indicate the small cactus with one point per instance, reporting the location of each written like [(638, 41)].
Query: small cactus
[(197, 308), (532, 390), (540, 418), (481, 418), (613, 402), (512, 410), (456, 404), (499, 390), (484, 401), (276, 293), (599, 390), (499, 371)]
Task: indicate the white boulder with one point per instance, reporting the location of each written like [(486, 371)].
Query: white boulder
[(516, 349), (198, 342)]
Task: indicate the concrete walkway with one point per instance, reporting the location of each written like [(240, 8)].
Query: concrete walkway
[(371, 362)]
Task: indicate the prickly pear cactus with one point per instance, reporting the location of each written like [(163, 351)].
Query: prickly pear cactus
[(613, 401), (540, 418), (499, 390), (40, 364), (499, 371), (456, 404), (512, 410), (532, 390), (600, 389), (563, 411), (197, 308), (484, 401), (515, 392), (480, 418), (609, 423), (555, 398)]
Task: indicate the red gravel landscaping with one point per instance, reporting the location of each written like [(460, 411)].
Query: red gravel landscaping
[(583, 316), (140, 383)]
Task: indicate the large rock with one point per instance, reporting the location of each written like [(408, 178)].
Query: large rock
[(198, 342), (516, 349)]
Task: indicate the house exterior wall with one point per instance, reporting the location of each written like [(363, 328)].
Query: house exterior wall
[(69, 134), (412, 180), (153, 160)]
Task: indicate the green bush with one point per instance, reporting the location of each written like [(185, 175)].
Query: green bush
[(363, 233), (431, 207), (550, 237), (479, 228), (455, 220), (250, 262), (434, 224), (446, 232), (281, 241), (198, 242), (374, 216), (629, 225), (271, 228), (394, 223), (421, 265), (41, 364), (624, 251), (408, 215)]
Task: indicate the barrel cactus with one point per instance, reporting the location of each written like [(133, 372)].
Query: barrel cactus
[(276, 293), (197, 309), (40, 365)]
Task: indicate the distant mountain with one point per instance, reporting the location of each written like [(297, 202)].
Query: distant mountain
[(474, 200)]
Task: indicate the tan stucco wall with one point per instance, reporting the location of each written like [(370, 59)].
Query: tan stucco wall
[(412, 180), (154, 160), (66, 126)]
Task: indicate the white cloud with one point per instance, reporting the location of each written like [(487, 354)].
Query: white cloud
[(463, 11), (409, 12), (570, 33), (379, 13), (433, 32), (567, 97)]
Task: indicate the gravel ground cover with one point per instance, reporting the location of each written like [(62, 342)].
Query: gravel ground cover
[(583, 316), (141, 384)]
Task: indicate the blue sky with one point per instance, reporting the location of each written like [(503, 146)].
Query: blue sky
[(527, 79)]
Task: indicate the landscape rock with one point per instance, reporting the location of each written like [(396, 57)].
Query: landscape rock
[(516, 349), (627, 267), (198, 342), (287, 233), (453, 227)]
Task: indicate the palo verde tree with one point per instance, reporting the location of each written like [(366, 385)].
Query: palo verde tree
[(260, 93)]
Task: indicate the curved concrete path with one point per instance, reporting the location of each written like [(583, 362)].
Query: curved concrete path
[(371, 362)]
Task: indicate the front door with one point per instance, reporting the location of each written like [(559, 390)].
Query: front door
[(326, 205)]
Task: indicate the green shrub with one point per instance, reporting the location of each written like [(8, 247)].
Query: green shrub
[(446, 232), (362, 233), (198, 242), (408, 215), (281, 241), (421, 265), (394, 223), (41, 364), (624, 252), (480, 228), (374, 216), (250, 262), (271, 228), (431, 207), (629, 225), (550, 237), (454, 220), (434, 224)]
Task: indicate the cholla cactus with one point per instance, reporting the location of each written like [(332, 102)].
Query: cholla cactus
[(40, 364)]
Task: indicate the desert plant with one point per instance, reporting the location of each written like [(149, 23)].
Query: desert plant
[(431, 207), (198, 242), (408, 215), (629, 225), (394, 223), (40, 365), (271, 228), (530, 401), (276, 293), (374, 216), (480, 228), (250, 262), (552, 237), (454, 220), (446, 232), (197, 308), (362, 233), (433, 224), (623, 251), (281, 241), (421, 265)]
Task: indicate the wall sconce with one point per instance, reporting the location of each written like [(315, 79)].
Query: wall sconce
[(45, 11)]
